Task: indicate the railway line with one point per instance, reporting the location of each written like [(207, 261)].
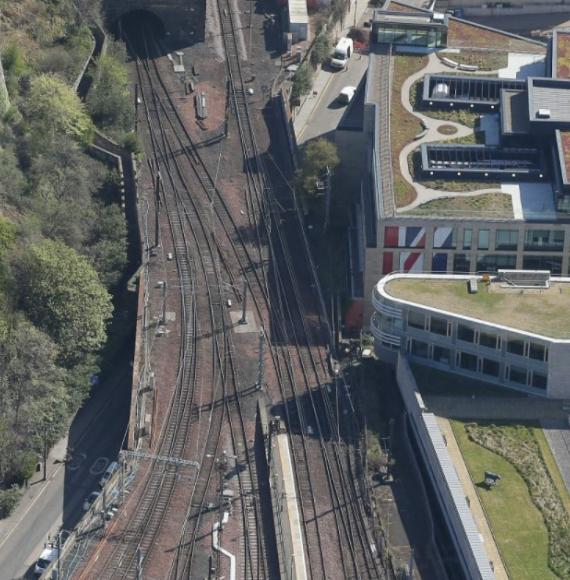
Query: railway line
[(321, 422)]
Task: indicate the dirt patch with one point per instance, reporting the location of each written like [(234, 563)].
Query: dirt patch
[(447, 130)]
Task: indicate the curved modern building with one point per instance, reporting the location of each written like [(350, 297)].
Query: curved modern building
[(512, 329)]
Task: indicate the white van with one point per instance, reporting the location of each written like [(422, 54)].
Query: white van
[(342, 52)]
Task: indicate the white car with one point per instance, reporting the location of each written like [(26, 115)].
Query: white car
[(111, 468), (48, 555), (90, 500), (346, 95)]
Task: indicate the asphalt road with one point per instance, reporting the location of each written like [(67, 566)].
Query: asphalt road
[(328, 112), (95, 435)]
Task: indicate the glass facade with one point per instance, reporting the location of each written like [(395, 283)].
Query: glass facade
[(541, 240), (411, 35), (506, 239)]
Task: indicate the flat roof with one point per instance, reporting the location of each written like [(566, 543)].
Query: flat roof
[(424, 19), (298, 11), (561, 53), (541, 311), (552, 95), (514, 112)]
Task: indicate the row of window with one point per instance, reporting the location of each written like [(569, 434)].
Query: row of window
[(395, 34), (476, 364), (465, 333), (505, 239), (494, 262)]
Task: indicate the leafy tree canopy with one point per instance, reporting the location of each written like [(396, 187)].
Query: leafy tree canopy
[(52, 107), (319, 155), (62, 294)]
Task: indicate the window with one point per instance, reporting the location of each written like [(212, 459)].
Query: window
[(490, 367), (465, 333), (552, 240), (468, 361), (441, 355), (467, 238), (537, 351), (506, 239), (539, 380), (461, 263), (419, 348), (515, 346), (416, 319), (493, 262), (488, 339), (552, 263), (517, 375), (438, 326), (483, 240)]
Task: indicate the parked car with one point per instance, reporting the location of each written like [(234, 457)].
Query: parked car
[(341, 54), (48, 555), (111, 468), (90, 500), (346, 95)]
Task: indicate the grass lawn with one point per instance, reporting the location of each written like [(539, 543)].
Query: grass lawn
[(496, 205), (518, 526), (404, 126), (543, 311)]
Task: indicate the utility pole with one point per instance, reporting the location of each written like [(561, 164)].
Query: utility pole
[(243, 319), (157, 204), (261, 363), (164, 302), (139, 564)]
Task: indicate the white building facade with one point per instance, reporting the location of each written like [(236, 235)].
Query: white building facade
[(467, 346)]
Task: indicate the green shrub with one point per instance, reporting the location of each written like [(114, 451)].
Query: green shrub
[(9, 499)]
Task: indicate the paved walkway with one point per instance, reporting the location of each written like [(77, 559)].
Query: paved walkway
[(472, 499), (558, 436), (496, 408)]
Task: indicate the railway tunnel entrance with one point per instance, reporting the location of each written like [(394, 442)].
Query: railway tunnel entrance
[(180, 22)]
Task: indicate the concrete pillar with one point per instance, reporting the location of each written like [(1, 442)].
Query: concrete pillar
[(4, 97)]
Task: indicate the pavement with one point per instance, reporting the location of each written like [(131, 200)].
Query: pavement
[(310, 116), (48, 506), (557, 434), (472, 499)]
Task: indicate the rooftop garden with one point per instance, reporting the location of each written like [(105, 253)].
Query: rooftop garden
[(542, 311), (565, 138), (485, 60), (528, 509), (470, 35), (404, 127), (490, 205), (563, 55)]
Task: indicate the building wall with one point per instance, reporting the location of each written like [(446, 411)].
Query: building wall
[(503, 364), (437, 245)]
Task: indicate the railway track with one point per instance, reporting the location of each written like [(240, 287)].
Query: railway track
[(194, 207)]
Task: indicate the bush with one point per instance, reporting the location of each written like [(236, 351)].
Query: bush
[(302, 82), (321, 49), (9, 499)]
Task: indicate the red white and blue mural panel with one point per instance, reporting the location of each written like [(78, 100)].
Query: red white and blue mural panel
[(404, 237)]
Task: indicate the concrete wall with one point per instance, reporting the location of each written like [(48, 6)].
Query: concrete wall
[(558, 371), (456, 513), (182, 20), (4, 97)]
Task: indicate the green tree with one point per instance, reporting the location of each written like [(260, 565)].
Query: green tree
[(319, 155), (110, 101), (7, 235), (62, 294), (321, 49), (302, 81), (52, 108), (12, 181)]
